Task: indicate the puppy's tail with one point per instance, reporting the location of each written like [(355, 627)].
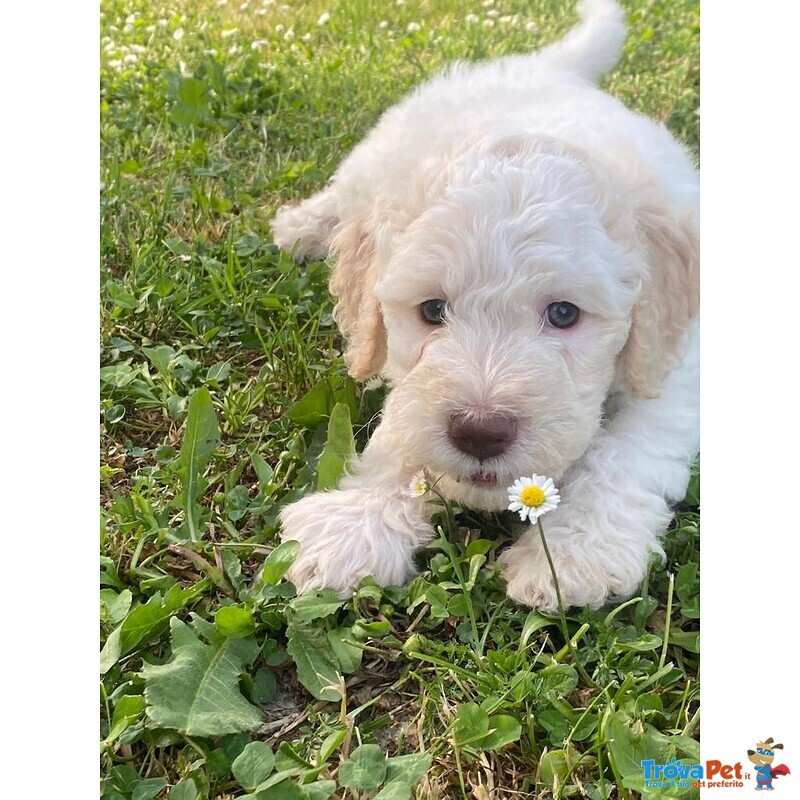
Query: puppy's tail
[(594, 45)]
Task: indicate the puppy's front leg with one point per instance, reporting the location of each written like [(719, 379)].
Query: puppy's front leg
[(616, 502), (305, 230), (369, 526)]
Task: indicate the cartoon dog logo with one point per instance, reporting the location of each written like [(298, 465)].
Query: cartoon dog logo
[(762, 757)]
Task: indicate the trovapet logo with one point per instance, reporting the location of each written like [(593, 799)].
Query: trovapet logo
[(677, 775), (715, 774), (762, 758)]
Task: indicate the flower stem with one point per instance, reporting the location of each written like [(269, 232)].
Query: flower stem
[(561, 615)]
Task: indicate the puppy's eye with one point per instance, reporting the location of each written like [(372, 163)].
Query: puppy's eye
[(562, 314), (432, 311)]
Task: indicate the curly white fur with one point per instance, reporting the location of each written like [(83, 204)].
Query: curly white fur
[(501, 188)]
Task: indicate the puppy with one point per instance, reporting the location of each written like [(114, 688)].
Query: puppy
[(517, 254)]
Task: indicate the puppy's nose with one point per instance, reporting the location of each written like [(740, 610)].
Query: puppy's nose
[(482, 436)]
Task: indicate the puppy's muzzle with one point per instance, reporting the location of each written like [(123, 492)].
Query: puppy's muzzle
[(484, 436)]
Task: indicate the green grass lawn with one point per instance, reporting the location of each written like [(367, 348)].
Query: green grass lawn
[(220, 369)]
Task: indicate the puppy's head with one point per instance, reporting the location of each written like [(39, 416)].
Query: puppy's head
[(505, 306)]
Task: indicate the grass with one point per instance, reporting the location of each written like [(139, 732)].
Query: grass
[(218, 681)]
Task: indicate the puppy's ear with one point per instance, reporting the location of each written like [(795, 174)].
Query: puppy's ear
[(358, 312), (670, 294)]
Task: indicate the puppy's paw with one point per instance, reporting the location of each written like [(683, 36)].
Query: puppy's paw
[(345, 535), (591, 571), (302, 232)]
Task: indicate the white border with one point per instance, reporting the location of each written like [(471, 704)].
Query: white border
[(751, 384), (49, 141)]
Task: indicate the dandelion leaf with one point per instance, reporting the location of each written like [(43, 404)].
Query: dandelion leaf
[(197, 691)]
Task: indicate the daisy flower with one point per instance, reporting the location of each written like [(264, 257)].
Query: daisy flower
[(420, 485), (532, 497)]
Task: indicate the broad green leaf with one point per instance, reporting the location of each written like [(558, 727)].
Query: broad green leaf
[(688, 640), (265, 686), (192, 91), (278, 561), (233, 569), (478, 547), (263, 470), (503, 729), (365, 769), (314, 406), (265, 790), (129, 709), (120, 297), (557, 724), (457, 606), (317, 405), (287, 757), (253, 765), (219, 372), (686, 582), (470, 725), (555, 765), (644, 609), (114, 607), (631, 742), (319, 790), (149, 620), (330, 743), (346, 650), (123, 778), (583, 727), (177, 246), (410, 768), (645, 643), (558, 679), (193, 102), (533, 622), (378, 628), (148, 788), (475, 563), (197, 691), (285, 790), (689, 747), (339, 448), (115, 414), (523, 685), (369, 590), (317, 668), (185, 790), (396, 790), (160, 357), (200, 438), (111, 652), (314, 606), (235, 622)]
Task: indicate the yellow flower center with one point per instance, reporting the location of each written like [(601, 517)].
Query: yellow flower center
[(532, 496)]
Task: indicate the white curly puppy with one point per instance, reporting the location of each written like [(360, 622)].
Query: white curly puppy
[(517, 253)]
